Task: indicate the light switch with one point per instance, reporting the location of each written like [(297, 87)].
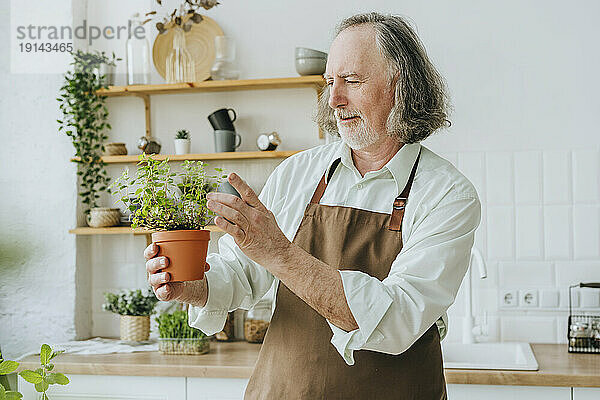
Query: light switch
[(549, 298)]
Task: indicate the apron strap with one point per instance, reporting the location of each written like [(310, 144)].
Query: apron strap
[(400, 201), (316, 198)]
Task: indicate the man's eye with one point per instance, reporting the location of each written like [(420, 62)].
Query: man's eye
[(352, 81)]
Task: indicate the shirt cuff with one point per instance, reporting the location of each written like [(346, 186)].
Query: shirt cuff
[(211, 318), (368, 302)]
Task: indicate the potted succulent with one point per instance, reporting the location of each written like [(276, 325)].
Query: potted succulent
[(135, 309), (174, 205), (182, 141), (178, 337)]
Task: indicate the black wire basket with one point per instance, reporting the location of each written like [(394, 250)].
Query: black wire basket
[(583, 331)]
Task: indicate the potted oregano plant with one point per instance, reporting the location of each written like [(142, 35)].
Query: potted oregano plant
[(178, 337), (135, 308), (42, 377), (182, 141), (85, 121), (174, 205)]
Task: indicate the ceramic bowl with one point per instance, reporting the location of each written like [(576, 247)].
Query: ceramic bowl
[(311, 66), (304, 52)]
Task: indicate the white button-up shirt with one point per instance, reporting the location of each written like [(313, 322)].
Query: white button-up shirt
[(440, 219)]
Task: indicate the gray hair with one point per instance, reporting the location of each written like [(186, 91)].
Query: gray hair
[(421, 103)]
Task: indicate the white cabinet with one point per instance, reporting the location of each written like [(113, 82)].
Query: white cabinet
[(216, 388), (586, 393), (501, 392), (104, 387)]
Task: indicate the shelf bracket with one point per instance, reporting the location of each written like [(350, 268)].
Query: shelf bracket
[(146, 98), (318, 89)]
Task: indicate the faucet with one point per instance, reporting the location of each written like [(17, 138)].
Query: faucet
[(469, 328)]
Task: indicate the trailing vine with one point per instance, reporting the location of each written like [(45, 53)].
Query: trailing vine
[(85, 121)]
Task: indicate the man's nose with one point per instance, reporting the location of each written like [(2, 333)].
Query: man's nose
[(337, 96)]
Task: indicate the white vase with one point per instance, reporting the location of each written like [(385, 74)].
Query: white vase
[(182, 146)]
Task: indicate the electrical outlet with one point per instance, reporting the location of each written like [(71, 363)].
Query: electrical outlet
[(508, 298), (528, 298)]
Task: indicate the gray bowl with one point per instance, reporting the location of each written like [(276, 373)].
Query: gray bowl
[(304, 52), (311, 66)]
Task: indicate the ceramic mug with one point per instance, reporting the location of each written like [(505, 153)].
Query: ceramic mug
[(226, 140), (220, 119)]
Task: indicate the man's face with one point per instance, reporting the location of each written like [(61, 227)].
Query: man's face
[(357, 77)]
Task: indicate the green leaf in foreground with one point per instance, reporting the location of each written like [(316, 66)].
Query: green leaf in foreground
[(45, 353), (42, 386), (7, 366), (56, 377), (30, 376)]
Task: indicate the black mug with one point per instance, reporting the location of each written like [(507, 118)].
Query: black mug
[(220, 119)]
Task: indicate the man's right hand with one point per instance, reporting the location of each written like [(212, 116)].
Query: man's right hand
[(163, 289), (191, 292)]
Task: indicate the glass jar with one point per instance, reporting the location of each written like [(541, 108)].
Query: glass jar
[(138, 55), (257, 322), (224, 66), (180, 63), (228, 332)]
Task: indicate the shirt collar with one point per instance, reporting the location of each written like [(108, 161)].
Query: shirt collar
[(399, 166)]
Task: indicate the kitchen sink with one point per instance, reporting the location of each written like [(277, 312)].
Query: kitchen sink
[(504, 355)]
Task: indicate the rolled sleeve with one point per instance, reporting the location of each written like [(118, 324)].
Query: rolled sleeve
[(368, 302), (423, 282)]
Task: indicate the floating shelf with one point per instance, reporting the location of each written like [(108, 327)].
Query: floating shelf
[(233, 155), (122, 230), (312, 81)]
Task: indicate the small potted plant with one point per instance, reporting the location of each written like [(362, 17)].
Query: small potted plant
[(173, 205), (178, 337), (135, 309), (182, 141)]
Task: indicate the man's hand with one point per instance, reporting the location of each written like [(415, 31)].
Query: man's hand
[(158, 279), (252, 226)]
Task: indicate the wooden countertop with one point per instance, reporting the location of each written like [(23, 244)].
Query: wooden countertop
[(557, 367)]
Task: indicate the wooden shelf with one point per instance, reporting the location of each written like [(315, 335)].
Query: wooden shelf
[(312, 81), (122, 230), (234, 155)]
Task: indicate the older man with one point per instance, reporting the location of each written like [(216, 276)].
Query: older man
[(367, 239)]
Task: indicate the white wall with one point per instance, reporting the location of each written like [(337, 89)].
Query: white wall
[(522, 79)]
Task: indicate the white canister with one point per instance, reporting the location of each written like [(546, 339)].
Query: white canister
[(182, 146)]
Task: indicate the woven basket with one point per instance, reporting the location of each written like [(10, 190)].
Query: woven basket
[(115, 149), (135, 328), (100, 217)]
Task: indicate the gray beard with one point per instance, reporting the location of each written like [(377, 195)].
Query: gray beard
[(359, 135)]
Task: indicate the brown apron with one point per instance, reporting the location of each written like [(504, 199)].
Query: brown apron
[(297, 360)]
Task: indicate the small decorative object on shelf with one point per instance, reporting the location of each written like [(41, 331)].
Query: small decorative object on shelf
[(100, 217), (268, 142), (135, 308), (115, 149), (257, 322), (228, 332), (177, 337), (224, 67), (149, 145), (182, 142), (180, 63), (174, 204), (583, 330)]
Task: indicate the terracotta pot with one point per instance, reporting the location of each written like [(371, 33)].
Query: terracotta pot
[(186, 251)]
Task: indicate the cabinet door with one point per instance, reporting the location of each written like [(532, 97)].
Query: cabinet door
[(586, 393), (104, 387), (504, 392), (216, 388)]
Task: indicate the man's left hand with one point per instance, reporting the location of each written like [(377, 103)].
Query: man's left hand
[(252, 226)]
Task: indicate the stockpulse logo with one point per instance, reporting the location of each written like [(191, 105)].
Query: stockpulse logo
[(42, 35)]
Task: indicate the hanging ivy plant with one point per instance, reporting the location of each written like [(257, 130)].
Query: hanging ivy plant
[(85, 121)]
